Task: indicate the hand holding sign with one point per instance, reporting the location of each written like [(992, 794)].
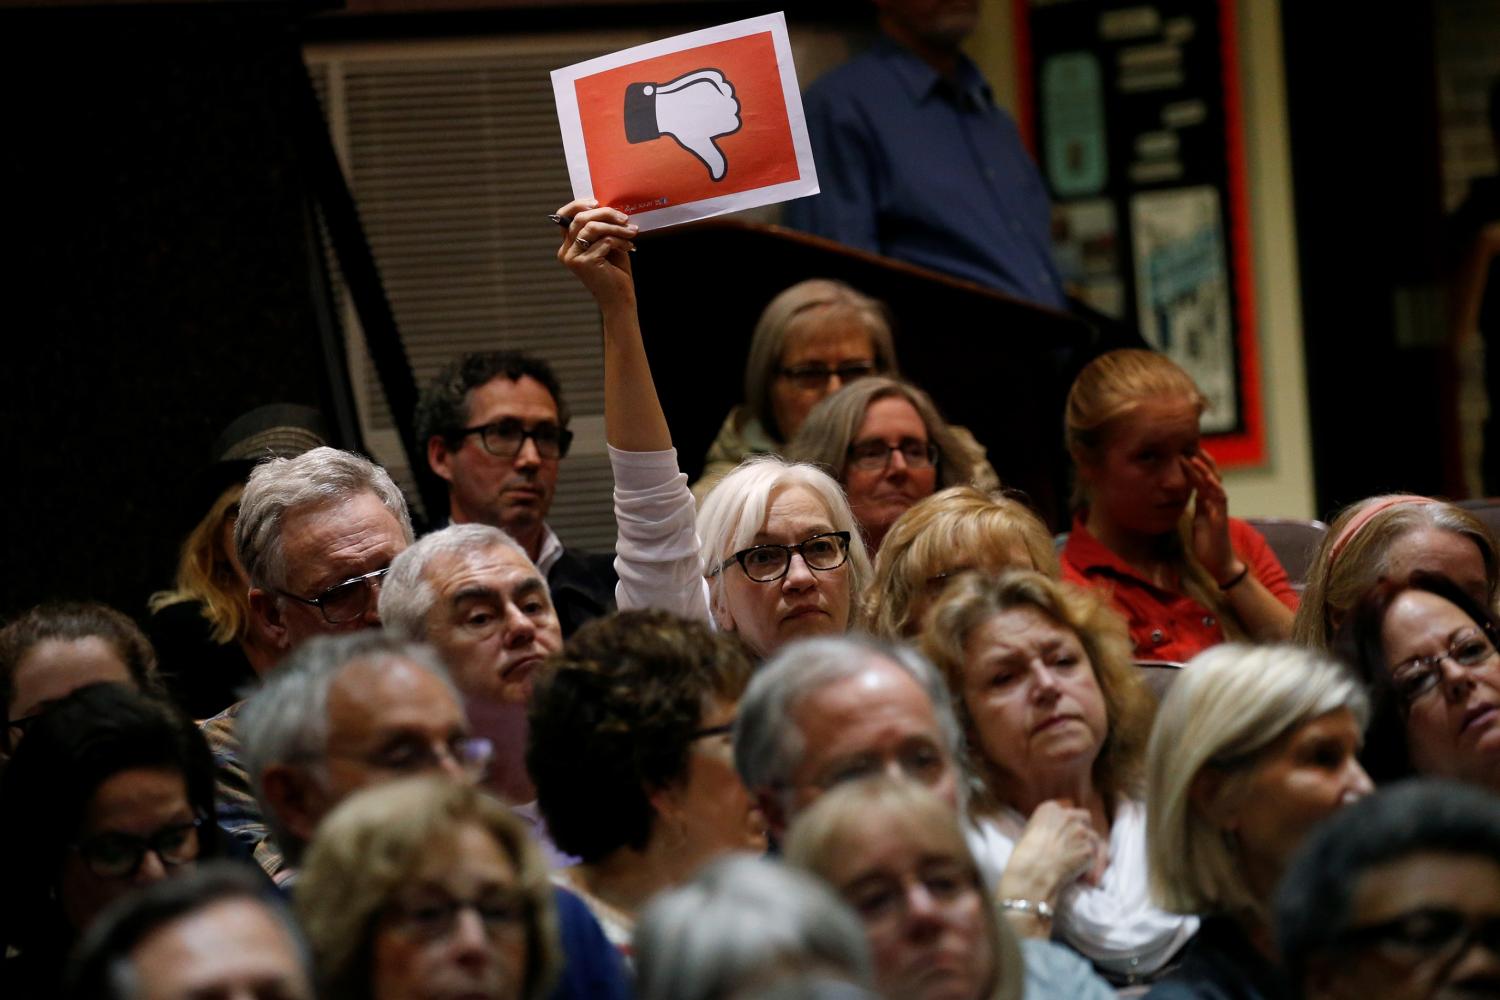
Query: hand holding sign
[(727, 97), (695, 109)]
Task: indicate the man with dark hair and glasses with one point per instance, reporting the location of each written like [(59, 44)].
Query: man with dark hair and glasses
[(1397, 897), (496, 429)]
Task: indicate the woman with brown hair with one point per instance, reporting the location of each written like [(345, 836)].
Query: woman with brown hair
[(887, 445), (812, 339), (1057, 718), (1152, 527)]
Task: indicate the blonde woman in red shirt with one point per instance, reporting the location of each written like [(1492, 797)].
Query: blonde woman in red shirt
[(1152, 526)]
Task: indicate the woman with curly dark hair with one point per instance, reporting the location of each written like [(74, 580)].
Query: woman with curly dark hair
[(630, 749)]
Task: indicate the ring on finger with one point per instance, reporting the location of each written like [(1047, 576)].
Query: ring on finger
[(580, 241)]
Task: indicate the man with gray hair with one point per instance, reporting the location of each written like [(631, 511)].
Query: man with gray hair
[(472, 592), (342, 713), (824, 711), (315, 534)]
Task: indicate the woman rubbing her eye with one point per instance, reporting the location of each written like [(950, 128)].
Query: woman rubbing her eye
[(885, 442), (1427, 649), (110, 790), (1153, 526), (780, 556)]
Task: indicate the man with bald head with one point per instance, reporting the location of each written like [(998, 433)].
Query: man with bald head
[(825, 711)]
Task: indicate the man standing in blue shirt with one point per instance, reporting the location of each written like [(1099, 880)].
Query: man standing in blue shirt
[(917, 162)]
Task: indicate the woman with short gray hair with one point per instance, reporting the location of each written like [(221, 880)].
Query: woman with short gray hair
[(1252, 748), (744, 923)]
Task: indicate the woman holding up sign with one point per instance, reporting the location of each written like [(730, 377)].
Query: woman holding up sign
[(775, 553)]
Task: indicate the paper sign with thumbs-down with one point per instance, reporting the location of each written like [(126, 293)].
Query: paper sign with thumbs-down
[(688, 127)]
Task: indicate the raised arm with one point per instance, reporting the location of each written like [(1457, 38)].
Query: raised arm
[(656, 551), (596, 247)]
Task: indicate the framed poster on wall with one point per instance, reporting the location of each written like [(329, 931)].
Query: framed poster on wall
[(1133, 111)]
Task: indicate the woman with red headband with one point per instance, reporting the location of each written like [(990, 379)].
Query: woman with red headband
[(1389, 538), (1153, 526)]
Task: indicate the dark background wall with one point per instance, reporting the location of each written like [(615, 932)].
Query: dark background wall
[(158, 279)]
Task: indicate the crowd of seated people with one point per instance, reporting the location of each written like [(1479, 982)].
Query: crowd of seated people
[(849, 723)]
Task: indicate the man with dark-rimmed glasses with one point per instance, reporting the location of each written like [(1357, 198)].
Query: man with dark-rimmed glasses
[(496, 429)]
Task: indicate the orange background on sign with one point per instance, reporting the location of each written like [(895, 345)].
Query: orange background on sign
[(759, 154)]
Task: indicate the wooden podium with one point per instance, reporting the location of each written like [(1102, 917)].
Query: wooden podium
[(996, 365)]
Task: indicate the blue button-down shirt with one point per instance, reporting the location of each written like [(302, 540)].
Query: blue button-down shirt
[(927, 170)]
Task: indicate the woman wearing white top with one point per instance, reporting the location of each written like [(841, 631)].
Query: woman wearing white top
[(780, 555), (1057, 722)]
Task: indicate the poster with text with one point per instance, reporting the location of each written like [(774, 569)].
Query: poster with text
[(688, 127)]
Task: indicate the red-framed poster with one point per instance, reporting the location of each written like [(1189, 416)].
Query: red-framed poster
[(1134, 113)]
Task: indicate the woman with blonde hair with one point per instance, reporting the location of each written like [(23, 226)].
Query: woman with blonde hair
[(1056, 718), (1252, 748), (811, 339), (1152, 527), (1392, 537), (780, 555), (427, 887), (886, 444), (954, 530), (896, 854)]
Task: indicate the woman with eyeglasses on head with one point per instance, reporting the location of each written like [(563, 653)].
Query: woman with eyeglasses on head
[(110, 790), (427, 888), (1427, 650), (775, 553), (810, 340), (886, 444), (1152, 527), (631, 752)]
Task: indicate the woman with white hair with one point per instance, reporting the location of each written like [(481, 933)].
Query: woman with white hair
[(743, 925), (1252, 748), (781, 556)]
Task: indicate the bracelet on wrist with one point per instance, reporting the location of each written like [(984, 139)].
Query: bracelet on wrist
[(1032, 907), (1235, 580)]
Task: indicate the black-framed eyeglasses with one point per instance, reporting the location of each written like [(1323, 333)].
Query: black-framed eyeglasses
[(502, 913), (768, 563), (723, 729), (817, 376), (472, 754), (873, 455), (119, 855), (1425, 935), (344, 602), (16, 730), (506, 438), (1417, 677)]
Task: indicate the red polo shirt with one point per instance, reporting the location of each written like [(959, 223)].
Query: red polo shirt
[(1165, 625)]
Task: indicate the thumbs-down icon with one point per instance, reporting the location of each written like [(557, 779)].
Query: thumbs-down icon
[(694, 109)]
